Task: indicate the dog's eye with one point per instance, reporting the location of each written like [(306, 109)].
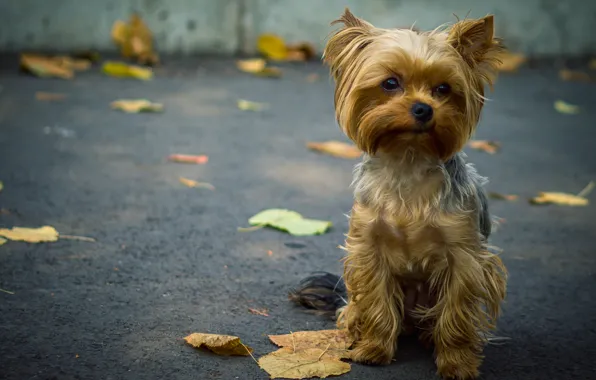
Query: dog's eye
[(390, 84), (443, 89)]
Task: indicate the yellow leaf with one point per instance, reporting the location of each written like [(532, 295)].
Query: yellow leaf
[(226, 345), (246, 105), (335, 148), (258, 67), (303, 364), (136, 105), (289, 221), (193, 183), (504, 197), (335, 342), (272, 46), (2, 240), (45, 66), (567, 108), (564, 199), (30, 235), (123, 70), (510, 62), (49, 96), (576, 76), (490, 147)]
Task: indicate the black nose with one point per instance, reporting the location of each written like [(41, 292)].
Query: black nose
[(422, 112)]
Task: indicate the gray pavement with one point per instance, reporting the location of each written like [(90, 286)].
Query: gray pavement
[(169, 261)]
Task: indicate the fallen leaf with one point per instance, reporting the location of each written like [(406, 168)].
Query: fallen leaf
[(246, 105), (566, 108), (289, 221), (564, 199), (135, 40), (303, 51), (189, 158), (42, 66), (335, 148), (272, 46), (30, 235), (510, 62), (258, 67), (136, 105), (2, 240), (488, 146), (303, 364), (123, 70), (312, 78), (336, 342), (262, 312), (49, 96), (576, 76), (226, 345), (193, 183), (504, 197)]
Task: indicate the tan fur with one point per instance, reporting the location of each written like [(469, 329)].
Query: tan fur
[(409, 259)]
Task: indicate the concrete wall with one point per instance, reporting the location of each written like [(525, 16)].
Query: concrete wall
[(536, 27)]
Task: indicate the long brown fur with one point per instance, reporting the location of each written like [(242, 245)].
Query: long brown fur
[(414, 254)]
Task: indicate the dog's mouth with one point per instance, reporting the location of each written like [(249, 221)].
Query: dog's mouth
[(389, 136)]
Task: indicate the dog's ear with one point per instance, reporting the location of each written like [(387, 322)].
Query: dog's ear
[(353, 34)]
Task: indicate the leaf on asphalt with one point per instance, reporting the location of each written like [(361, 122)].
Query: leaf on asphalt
[(49, 96), (225, 345), (335, 148), (262, 312), (335, 342), (575, 76), (189, 158), (503, 197), (566, 108), (311, 362), (44, 67), (303, 51), (247, 105), (30, 235), (135, 40), (490, 147), (192, 183), (258, 67), (564, 199), (289, 221), (2, 240), (136, 105), (510, 62), (124, 70), (272, 46)]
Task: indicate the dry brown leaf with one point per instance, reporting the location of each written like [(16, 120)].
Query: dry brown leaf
[(311, 362), (510, 62), (272, 46), (488, 146), (566, 108), (226, 345), (189, 158), (49, 96), (136, 105), (335, 148), (30, 235), (42, 66), (575, 76), (504, 197), (192, 183), (135, 40), (262, 312), (335, 342)]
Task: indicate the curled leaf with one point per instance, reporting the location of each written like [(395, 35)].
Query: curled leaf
[(136, 105), (189, 158), (335, 148), (311, 362), (192, 183), (247, 105), (123, 70), (226, 345), (490, 147), (566, 108), (289, 221), (30, 235), (272, 46)]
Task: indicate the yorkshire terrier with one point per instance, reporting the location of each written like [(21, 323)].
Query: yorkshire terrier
[(418, 258)]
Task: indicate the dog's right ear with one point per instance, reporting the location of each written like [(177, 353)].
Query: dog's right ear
[(347, 40)]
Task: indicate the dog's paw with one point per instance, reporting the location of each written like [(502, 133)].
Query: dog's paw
[(372, 353), (460, 364)]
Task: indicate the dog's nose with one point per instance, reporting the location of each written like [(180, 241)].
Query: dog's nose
[(422, 112)]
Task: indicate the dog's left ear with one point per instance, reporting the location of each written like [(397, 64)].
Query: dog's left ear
[(474, 39)]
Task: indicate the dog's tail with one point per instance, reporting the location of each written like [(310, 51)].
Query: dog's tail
[(323, 292)]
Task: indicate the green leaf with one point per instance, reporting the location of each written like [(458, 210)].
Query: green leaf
[(290, 221)]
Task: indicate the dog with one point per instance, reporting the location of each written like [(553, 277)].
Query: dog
[(418, 258)]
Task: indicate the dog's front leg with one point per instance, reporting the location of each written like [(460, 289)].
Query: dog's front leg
[(374, 313)]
